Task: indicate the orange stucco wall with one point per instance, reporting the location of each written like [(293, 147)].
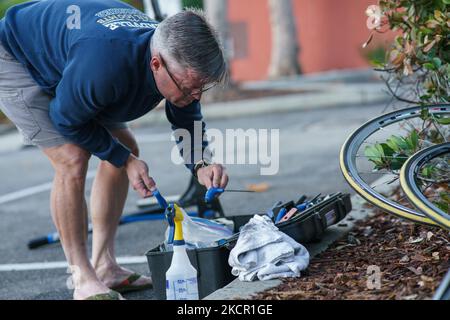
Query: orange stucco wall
[(330, 33)]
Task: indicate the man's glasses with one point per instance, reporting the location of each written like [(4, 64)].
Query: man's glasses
[(187, 93)]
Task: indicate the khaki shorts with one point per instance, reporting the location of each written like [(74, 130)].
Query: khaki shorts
[(27, 105)]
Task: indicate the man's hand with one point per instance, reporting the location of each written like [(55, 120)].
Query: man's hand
[(213, 176), (137, 171)]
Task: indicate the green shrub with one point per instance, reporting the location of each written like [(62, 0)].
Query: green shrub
[(5, 4), (192, 4), (421, 50)]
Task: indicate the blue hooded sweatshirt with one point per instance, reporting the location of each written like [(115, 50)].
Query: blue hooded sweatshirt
[(93, 58)]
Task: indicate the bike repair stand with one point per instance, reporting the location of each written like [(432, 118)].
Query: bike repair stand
[(194, 196)]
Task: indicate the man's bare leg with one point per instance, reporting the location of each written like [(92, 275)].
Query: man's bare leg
[(69, 213), (108, 196)]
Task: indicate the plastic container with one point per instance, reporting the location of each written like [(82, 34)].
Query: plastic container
[(213, 271), (181, 278), (212, 263)]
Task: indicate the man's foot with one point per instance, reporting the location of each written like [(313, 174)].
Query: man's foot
[(122, 280)]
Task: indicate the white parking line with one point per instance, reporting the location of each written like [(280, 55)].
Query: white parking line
[(62, 264), (16, 195), (20, 194), (150, 138)]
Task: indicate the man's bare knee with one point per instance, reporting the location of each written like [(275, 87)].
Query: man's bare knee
[(69, 160)]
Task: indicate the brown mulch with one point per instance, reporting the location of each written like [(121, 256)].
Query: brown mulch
[(412, 258)]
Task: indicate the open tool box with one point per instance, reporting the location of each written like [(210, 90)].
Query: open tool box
[(212, 265)]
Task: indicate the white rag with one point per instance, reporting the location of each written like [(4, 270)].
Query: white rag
[(263, 252)]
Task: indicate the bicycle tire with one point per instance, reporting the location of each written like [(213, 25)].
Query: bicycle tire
[(350, 148), (408, 182), (443, 291)]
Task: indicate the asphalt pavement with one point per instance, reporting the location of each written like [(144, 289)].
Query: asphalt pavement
[(309, 147)]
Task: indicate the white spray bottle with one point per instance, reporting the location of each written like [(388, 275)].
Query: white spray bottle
[(181, 278)]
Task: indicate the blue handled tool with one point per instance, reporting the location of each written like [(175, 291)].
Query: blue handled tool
[(303, 206), (280, 215), (169, 211), (213, 192), (170, 216), (174, 217), (162, 202), (270, 212)]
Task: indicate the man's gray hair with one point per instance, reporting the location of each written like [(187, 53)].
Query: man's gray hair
[(188, 39)]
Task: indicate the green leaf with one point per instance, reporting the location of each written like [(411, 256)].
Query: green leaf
[(424, 114), (393, 145), (387, 150), (429, 66), (373, 154), (397, 162), (380, 150), (443, 120), (427, 171), (444, 206), (414, 140), (425, 97), (445, 196), (437, 62), (426, 30), (397, 143)]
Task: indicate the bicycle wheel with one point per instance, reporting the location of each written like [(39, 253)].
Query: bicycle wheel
[(425, 180), (357, 167)]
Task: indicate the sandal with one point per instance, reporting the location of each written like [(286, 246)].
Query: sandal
[(127, 284), (112, 295)]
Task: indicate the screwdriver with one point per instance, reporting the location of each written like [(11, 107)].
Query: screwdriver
[(213, 192)]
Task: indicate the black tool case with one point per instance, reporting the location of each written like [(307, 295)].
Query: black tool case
[(212, 265)]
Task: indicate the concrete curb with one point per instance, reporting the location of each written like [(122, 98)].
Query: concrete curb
[(238, 290), (363, 75)]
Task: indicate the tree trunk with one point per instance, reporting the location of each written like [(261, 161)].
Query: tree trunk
[(285, 47), (160, 9), (217, 13)]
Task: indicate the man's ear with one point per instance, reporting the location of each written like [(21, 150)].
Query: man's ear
[(155, 64)]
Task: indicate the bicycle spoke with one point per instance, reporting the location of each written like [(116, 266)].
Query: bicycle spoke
[(387, 157), (376, 172), (436, 126), (385, 182)]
